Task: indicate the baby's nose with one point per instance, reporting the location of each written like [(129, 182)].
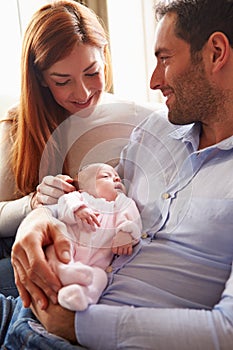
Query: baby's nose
[(117, 178)]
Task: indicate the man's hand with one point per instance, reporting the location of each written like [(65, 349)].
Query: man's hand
[(33, 274), (56, 320)]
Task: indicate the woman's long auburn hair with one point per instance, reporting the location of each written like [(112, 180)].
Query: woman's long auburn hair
[(49, 37)]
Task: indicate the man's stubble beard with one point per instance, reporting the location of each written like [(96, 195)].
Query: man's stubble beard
[(196, 100)]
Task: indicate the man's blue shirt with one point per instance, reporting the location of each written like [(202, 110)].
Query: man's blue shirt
[(174, 286)]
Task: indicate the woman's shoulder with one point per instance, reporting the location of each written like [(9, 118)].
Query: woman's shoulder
[(126, 111), (10, 116), (7, 123)]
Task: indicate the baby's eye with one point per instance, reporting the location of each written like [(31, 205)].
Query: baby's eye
[(104, 175)]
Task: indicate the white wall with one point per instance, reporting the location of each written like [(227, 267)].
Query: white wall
[(14, 16), (9, 59), (131, 33), (131, 29)]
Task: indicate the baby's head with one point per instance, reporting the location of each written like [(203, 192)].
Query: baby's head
[(100, 180)]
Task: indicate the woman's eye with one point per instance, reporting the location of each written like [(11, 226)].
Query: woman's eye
[(61, 83), (92, 74)]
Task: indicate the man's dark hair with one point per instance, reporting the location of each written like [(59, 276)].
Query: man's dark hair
[(198, 19)]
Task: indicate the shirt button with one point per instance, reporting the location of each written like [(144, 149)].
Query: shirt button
[(166, 195), (109, 269), (144, 235)]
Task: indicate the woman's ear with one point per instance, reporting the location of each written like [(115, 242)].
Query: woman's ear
[(220, 49), (41, 79), (42, 82)]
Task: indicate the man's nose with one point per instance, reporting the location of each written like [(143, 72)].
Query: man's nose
[(157, 78)]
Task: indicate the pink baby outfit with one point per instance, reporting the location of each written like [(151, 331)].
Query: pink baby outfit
[(84, 278), (94, 248)]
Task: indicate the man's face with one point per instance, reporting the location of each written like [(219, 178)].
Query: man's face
[(190, 97)]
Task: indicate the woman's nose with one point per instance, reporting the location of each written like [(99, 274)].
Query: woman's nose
[(81, 92)]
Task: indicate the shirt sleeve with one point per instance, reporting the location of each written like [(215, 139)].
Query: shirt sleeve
[(12, 213), (67, 205), (12, 208), (127, 327)]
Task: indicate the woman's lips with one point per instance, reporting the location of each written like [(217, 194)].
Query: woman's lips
[(84, 104)]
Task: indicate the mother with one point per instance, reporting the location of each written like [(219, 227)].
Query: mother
[(65, 69)]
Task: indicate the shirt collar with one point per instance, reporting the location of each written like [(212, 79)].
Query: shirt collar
[(190, 134)]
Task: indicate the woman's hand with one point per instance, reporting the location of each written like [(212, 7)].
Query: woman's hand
[(51, 189), (33, 274)]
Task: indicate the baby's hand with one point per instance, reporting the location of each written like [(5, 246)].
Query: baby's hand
[(122, 243), (87, 216)]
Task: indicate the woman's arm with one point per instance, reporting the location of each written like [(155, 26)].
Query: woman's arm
[(12, 208), (12, 213)]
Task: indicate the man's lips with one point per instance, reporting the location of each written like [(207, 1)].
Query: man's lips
[(168, 93)]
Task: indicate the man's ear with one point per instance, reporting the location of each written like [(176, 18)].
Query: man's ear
[(220, 49)]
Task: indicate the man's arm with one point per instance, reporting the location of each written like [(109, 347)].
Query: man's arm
[(155, 328), (32, 272), (101, 326), (56, 320)]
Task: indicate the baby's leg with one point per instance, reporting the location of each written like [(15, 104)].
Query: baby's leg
[(71, 273), (77, 297), (75, 273)]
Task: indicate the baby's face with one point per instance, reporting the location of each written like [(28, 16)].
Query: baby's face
[(108, 183)]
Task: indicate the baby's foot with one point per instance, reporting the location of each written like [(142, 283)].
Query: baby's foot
[(76, 273), (73, 297)]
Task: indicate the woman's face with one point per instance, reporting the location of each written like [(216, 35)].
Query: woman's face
[(77, 81)]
